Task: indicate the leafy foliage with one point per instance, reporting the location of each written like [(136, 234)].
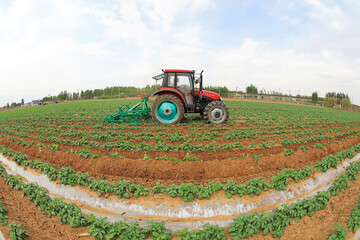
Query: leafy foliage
[(339, 234), (3, 216), (16, 232)]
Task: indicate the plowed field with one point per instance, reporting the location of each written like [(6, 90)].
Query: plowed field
[(259, 141)]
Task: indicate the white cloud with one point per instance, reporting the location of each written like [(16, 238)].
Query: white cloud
[(329, 15), (68, 45), (256, 63)]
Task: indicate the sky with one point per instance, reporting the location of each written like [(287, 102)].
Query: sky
[(292, 46)]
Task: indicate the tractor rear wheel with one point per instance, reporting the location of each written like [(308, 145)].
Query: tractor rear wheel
[(168, 109), (216, 112)]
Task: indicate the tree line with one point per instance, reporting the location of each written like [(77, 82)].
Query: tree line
[(332, 99), (109, 92), (341, 99), (106, 93)]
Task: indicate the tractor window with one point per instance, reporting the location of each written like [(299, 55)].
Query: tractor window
[(171, 80), (183, 84)]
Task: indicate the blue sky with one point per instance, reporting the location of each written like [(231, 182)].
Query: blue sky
[(294, 46)]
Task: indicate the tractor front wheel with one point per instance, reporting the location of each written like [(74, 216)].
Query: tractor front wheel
[(216, 112), (167, 109)]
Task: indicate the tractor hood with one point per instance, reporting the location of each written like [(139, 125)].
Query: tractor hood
[(209, 94)]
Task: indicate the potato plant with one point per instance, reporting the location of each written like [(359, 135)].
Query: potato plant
[(255, 132), (17, 232), (124, 189), (3, 216)]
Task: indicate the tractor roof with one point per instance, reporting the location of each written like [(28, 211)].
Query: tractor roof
[(179, 70)]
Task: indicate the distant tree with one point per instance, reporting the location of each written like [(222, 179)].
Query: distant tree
[(63, 95), (89, 94), (251, 89), (346, 103), (315, 97), (22, 102), (46, 99), (330, 101), (98, 93), (223, 91), (339, 97), (7, 105)]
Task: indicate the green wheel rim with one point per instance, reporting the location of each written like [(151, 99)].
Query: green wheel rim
[(167, 112)]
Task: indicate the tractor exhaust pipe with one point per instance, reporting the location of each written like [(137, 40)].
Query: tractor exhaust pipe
[(201, 85)]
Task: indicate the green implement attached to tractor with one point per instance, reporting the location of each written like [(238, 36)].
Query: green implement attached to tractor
[(127, 114), (181, 92)]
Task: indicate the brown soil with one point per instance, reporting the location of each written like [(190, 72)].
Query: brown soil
[(320, 225), (23, 211), (150, 171)]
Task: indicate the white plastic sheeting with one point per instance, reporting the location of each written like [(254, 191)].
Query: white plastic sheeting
[(357, 235), (192, 209)]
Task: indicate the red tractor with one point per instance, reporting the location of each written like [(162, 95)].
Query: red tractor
[(178, 95)]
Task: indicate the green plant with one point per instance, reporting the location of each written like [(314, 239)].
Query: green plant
[(288, 152), (157, 230), (185, 190), (99, 228), (255, 186), (190, 158), (101, 186), (54, 147), (16, 232), (3, 216), (232, 188), (257, 157), (339, 234), (146, 156), (158, 188), (354, 220), (303, 148)]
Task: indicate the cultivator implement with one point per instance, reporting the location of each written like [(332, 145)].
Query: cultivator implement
[(127, 114)]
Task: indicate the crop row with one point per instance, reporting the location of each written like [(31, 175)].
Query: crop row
[(15, 230), (276, 221), (3, 217), (58, 134), (353, 223), (247, 121), (48, 114), (246, 225), (77, 129), (72, 126), (188, 192), (86, 153), (161, 146), (99, 228), (249, 112)]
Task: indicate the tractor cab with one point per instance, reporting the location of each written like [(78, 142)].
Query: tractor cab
[(180, 82), (181, 93)]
